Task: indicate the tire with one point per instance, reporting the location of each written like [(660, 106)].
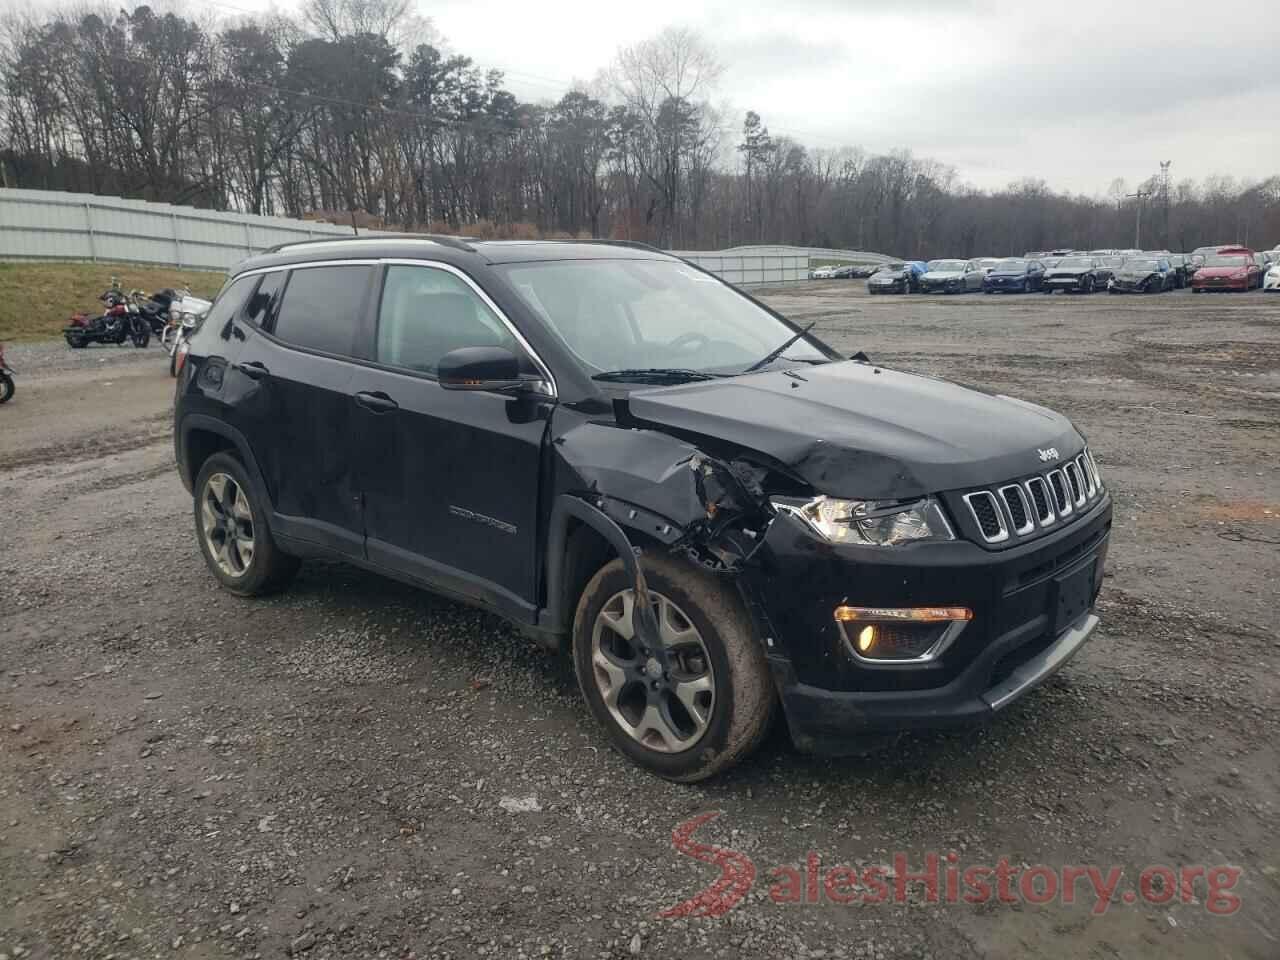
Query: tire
[(741, 699), (6, 387), (75, 341), (173, 364), (1089, 285), (267, 569), (140, 337)]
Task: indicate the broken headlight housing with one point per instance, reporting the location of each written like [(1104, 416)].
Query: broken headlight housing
[(875, 523)]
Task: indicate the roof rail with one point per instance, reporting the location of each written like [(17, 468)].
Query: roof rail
[(457, 243), (633, 244)]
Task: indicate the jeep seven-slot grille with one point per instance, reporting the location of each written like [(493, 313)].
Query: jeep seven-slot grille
[(1060, 498), (1025, 507), (1040, 496), (1015, 501), (987, 513)]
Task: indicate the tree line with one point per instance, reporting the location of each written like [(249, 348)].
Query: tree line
[(355, 112)]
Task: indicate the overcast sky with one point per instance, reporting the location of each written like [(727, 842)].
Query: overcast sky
[(1076, 92)]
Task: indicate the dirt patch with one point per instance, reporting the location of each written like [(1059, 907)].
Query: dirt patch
[(324, 773)]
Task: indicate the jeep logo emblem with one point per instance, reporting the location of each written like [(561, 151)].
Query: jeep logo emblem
[(1046, 455)]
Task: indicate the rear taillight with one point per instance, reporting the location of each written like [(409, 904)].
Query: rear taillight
[(181, 359)]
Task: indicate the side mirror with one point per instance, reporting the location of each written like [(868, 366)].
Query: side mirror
[(480, 368)]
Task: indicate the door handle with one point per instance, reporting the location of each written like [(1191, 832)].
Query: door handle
[(253, 369), (376, 402)]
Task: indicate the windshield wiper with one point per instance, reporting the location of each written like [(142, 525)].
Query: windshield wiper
[(654, 375), (775, 354)]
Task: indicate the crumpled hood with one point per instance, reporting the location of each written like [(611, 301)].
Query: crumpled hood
[(1221, 272), (1069, 271), (859, 431)]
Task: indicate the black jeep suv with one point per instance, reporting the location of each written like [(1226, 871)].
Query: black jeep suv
[(714, 511)]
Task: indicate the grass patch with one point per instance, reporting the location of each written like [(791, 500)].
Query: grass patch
[(36, 299)]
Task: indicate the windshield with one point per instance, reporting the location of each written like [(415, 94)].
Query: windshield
[(641, 314), (1011, 266), (892, 268), (951, 266), (1141, 265), (1075, 262), (1226, 261)]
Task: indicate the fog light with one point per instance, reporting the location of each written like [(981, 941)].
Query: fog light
[(866, 638), (897, 635)]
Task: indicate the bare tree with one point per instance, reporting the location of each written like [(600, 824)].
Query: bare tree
[(664, 81)]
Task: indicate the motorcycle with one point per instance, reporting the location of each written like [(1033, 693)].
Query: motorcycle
[(184, 317), (120, 321), (6, 377), (155, 308)]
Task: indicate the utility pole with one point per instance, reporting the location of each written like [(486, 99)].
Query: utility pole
[(1164, 199), (1141, 196)]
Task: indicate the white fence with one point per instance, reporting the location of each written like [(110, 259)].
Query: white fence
[(745, 271), (51, 225)]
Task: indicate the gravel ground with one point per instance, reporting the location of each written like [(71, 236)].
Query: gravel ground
[(347, 770)]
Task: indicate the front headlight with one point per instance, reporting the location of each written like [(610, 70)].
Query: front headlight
[(876, 523)]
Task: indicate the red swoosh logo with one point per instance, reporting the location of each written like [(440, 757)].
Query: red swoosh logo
[(737, 873)]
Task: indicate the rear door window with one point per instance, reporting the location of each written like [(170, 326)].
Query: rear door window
[(321, 307)]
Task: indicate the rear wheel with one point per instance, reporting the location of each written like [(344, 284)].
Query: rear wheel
[(6, 387), (234, 535), (694, 705)]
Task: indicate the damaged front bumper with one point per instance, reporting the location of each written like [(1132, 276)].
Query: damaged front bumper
[(1031, 613)]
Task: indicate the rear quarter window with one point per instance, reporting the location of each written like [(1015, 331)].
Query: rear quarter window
[(216, 325), (321, 307)]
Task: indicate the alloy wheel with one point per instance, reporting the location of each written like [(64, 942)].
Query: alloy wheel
[(228, 524), (662, 698)]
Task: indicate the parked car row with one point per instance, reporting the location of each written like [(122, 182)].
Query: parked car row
[(850, 271), (1115, 271)]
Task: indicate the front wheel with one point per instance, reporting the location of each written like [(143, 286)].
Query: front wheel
[(696, 703), (6, 387), (234, 535)]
